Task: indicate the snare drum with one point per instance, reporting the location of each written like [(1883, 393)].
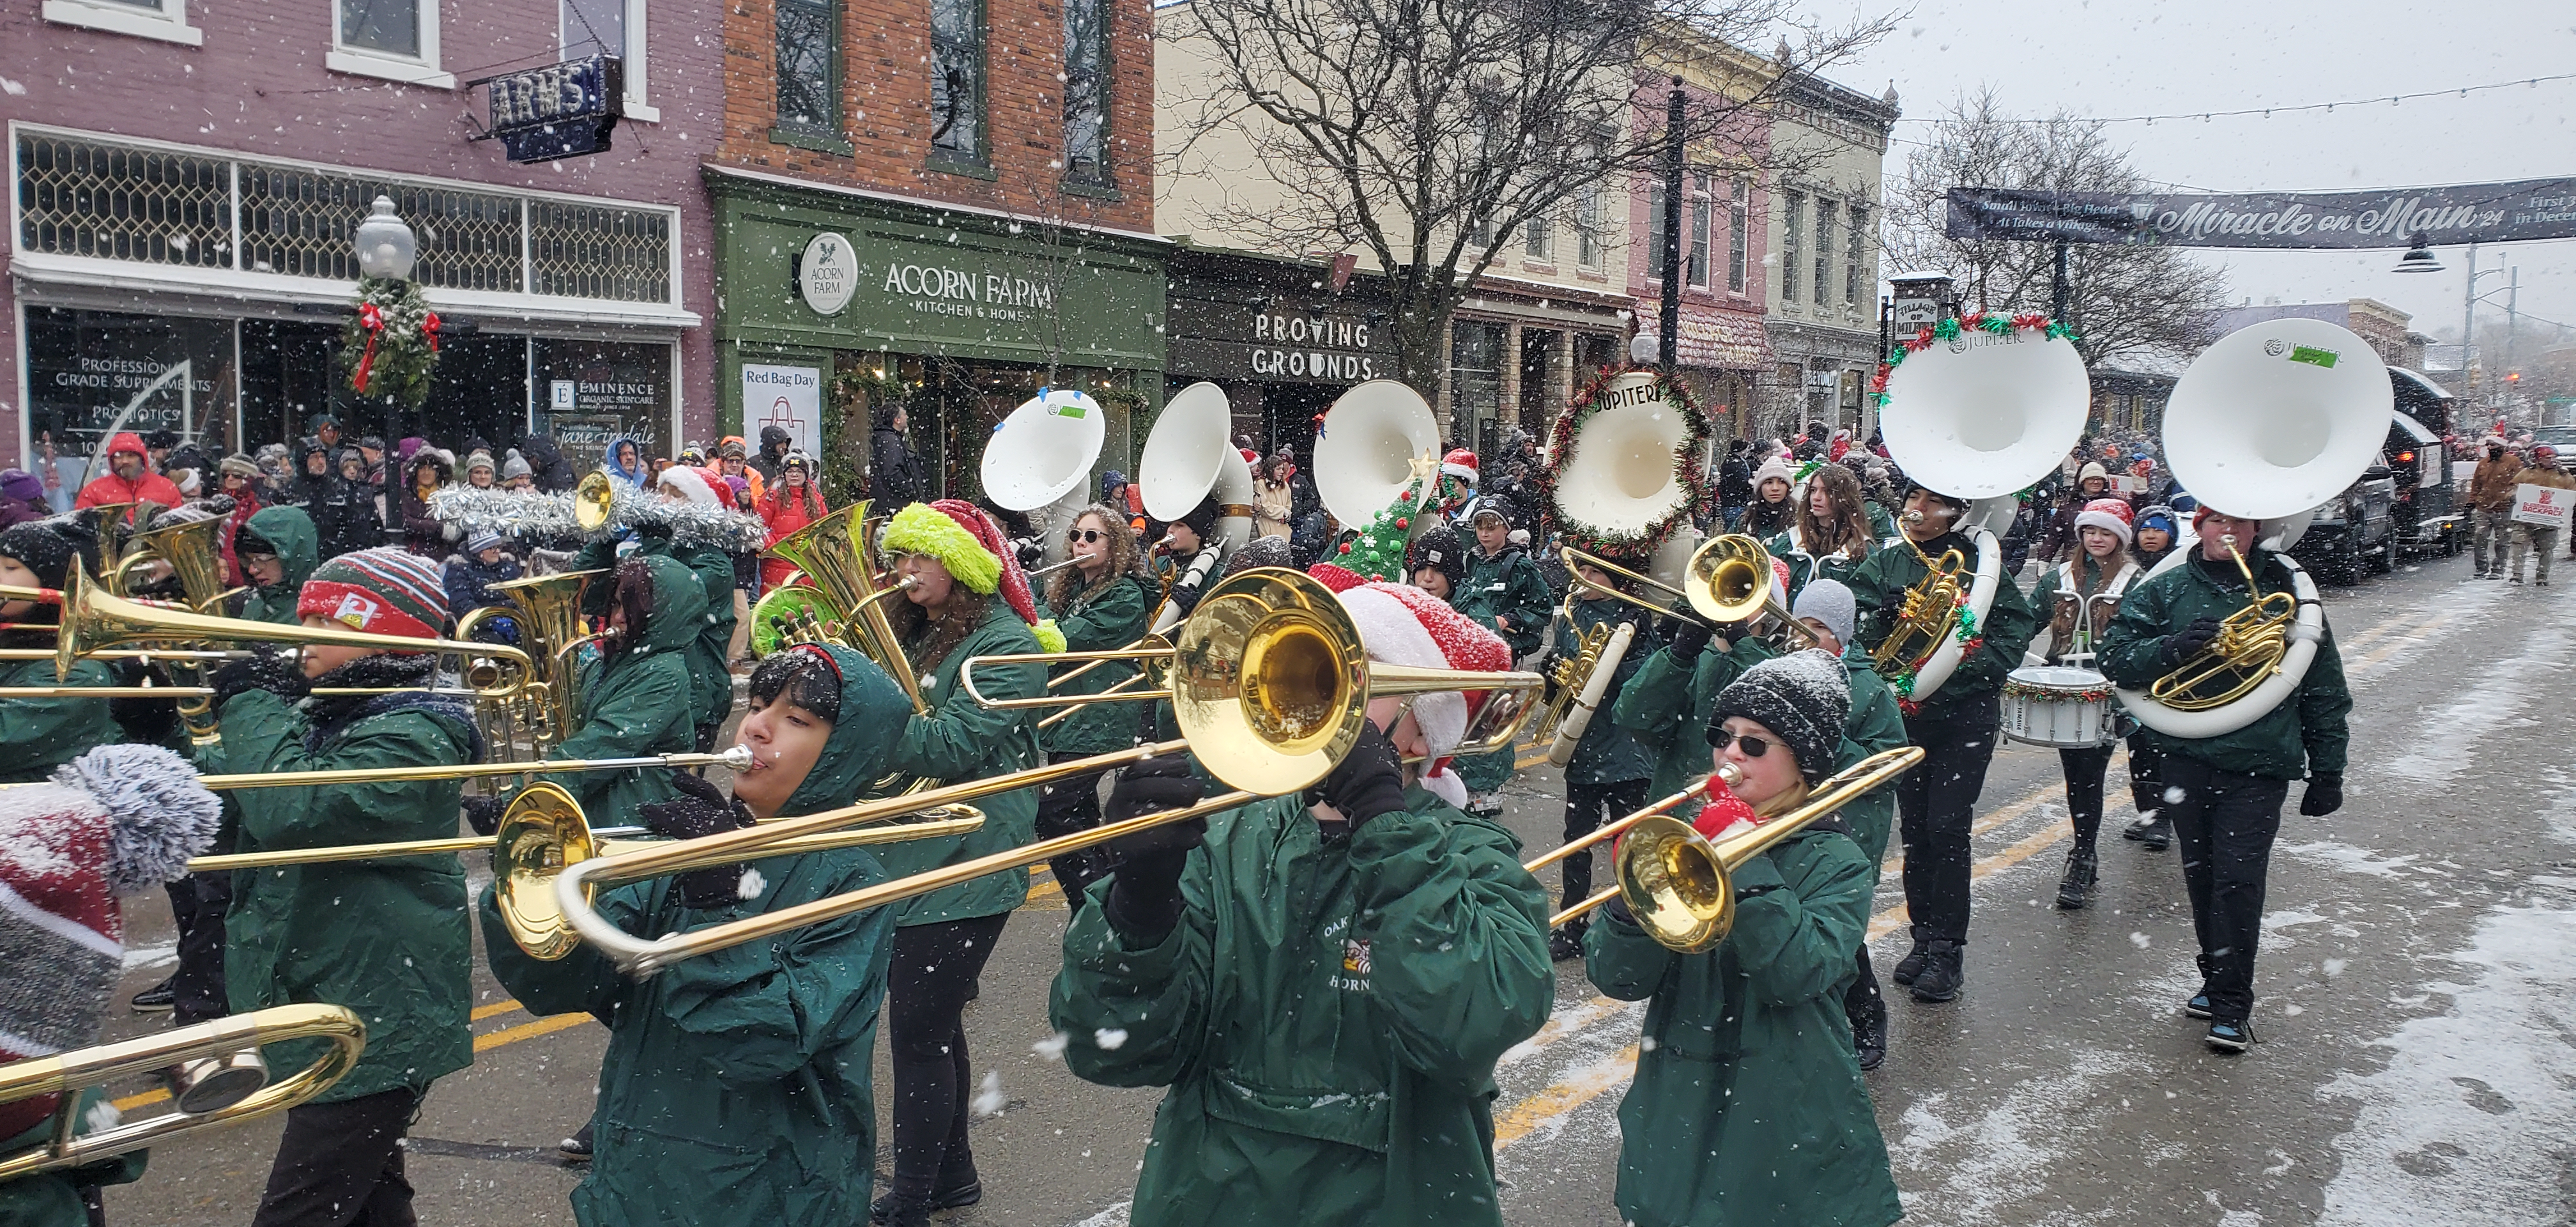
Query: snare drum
[(2058, 705)]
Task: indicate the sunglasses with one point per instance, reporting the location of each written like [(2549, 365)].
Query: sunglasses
[(1086, 536), (1754, 747)]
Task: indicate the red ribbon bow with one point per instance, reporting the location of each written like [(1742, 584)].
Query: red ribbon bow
[(429, 329), (371, 320)]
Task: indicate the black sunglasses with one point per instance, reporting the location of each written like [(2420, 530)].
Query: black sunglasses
[(1754, 747), (1085, 535)]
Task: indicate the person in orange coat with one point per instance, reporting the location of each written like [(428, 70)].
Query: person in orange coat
[(793, 501), (127, 479)]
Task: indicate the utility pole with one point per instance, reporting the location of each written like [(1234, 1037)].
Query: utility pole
[(1668, 352)]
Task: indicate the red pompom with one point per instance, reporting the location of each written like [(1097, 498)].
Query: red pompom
[(1346, 547), (1724, 810), (1401, 522)]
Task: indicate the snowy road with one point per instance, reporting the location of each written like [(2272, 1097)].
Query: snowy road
[(2417, 1007)]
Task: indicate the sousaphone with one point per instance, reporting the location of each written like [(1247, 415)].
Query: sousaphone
[(1039, 461), (1373, 442)]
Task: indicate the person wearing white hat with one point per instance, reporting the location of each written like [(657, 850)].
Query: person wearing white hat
[(2082, 596)]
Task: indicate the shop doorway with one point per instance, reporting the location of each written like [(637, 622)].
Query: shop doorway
[(290, 371), (1541, 377)]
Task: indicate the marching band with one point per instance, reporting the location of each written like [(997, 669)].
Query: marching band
[(1322, 966)]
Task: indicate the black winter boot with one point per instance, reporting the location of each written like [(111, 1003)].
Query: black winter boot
[(1944, 973), (2075, 887), (2156, 833), (1911, 965)]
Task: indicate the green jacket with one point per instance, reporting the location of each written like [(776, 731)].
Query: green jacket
[(2305, 734), (1748, 1106), (1878, 589), (1112, 619), (43, 734), (1327, 1015), (1803, 567), (1668, 710), (963, 740), (710, 671), (298, 552), (638, 704), (1608, 754), (53, 1199), (1506, 585), (386, 938), (1875, 724), (737, 1085)]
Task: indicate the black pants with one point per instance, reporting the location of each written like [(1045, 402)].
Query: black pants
[(1861, 1001), (928, 984), (197, 905), (341, 1165), (2146, 792), (2084, 772), (1936, 804), (2225, 823), (1587, 806), (1069, 807)]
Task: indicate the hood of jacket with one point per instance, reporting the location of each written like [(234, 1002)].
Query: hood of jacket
[(122, 441), (873, 713), (291, 531), (679, 605), (632, 476)]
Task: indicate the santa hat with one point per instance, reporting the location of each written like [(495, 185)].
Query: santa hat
[(693, 485), (115, 821), (1402, 625), (382, 591), (1460, 463), (2111, 515), (972, 547)]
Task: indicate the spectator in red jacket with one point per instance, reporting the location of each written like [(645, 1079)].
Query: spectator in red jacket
[(127, 480), (791, 503)]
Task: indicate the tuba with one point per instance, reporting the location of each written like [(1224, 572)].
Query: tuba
[(837, 557), (1622, 479), (2267, 424), (1187, 459), (548, 610), (1976, 416), (1376, 442), (1039, 461)]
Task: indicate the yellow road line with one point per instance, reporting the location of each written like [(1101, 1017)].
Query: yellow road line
[(1573, 1092), (482, 1012), (528, 1031)]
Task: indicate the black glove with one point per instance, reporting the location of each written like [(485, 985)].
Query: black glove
[(277, 674), (1145, 892), (2180, 647), (1369, 781), (1689, 639), (2324, 795), (150, 721), (700, 810), (484, 814)]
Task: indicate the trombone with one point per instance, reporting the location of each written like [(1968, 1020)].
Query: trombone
[(1727, 774), (1676, 881), (218, 1101), (1728, 580)]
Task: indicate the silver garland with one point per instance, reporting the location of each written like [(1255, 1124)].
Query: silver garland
[(530, 516), (523, 514), (687, 523)]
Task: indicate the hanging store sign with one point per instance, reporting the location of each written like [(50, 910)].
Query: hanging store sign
[(2390, 217), (827, 273), (559, 111)]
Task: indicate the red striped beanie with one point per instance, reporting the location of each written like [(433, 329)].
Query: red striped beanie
[(382, 591)]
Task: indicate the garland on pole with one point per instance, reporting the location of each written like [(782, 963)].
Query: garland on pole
[(1993, 322), (391, 346), (1689, 468)]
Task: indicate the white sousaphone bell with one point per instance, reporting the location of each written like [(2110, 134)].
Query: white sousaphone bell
[(1979, 416), (1189, 456), (1621, 479), (1039, 461), (1366, 453)]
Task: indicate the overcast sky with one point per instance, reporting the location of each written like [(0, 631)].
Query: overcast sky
[(2122, 57)]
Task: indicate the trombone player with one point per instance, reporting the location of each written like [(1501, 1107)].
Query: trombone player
[(43, 733), (386, 938), (1324, 981), (2224, 793)]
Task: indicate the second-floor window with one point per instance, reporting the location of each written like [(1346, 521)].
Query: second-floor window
[(386, 27), (957, 78), (1086, 90), (809, 48), (1538, 239), (1695, 232), (1793, 208), (1855, 245), (1738, 193), (1587, 227), (1824, 281)]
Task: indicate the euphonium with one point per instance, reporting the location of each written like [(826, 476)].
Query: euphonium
[(193, 550), (834, 554), (1728, 580), (2247, 649), (548, 611), (1927, 614)]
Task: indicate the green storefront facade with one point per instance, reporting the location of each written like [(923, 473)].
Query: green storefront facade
[(959, 312)]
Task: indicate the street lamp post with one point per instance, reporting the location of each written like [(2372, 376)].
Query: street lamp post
[(387, 249)]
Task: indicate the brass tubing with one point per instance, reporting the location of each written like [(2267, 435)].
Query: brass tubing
[(1617, 826)]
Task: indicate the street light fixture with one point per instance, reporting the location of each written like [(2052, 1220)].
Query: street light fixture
[(2419, 259), (387, 249)]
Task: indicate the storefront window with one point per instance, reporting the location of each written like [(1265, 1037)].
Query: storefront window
[(596, 391), (1475, 379), (93, 373)]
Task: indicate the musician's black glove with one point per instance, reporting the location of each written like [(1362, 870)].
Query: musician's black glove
[(2324, 795), (2181, 646), (1145, 893), (701, 809), (151, 721), (278, 674), (1369, 781), (484, 813), (1689, 639)]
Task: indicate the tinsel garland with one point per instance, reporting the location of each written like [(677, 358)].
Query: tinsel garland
[(391, 344), (548, 518), (686, 523), (1996, 323), (2024, 690), (524, 514), (1688, 468)]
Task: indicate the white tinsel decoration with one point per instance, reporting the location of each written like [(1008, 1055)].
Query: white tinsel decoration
[(523, 514)]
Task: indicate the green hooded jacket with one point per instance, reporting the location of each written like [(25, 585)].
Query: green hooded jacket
[(1112, 619), (638, 704), (1327, 1014), (1506, 585), (386, 938), (1878, 590), (710, 671), (291, 531), (1785, 546), (1667, 709), (53, 1198), (963, 740), (737, 1085), (1748, 1106), (1875, 724), (2306, 733), (1608, 754), (43, 734)]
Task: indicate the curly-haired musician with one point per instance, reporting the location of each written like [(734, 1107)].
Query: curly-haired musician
[(1100, 603)]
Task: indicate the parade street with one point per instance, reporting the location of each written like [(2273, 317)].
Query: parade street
[(2417, 1061)]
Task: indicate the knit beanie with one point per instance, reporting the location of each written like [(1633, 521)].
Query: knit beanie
[(693, 484), (2158, 516), (2111, 515), (485, 540), (1777, 466), (2092, 468), (1803, 697), (972, 547), (382, 591), (40, 549), (479, 460), (115, 821), (1438, 549), (1830, 602), (1261, 552), (21, 485), (238, 465), (1403, 625), (515, 465)]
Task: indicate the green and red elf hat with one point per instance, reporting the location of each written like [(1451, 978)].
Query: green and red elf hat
[(972, 547)]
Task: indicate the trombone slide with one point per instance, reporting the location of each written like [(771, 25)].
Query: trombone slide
[(1596, 685)]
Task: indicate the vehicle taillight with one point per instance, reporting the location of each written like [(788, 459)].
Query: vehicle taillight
[(2405, 457)]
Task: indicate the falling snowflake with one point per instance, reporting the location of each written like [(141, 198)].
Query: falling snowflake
[(1109, 1039), (1052, 1047), (989, 1101)]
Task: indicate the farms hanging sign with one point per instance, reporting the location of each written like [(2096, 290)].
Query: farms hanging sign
[(2390, 217), (559, 111)]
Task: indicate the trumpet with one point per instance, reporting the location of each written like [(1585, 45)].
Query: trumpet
[(1676, 882), (1729, 578), (232, 1041)]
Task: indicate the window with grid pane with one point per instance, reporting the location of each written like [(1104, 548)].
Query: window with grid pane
[(1086, 90), (1538, 239), (1792, 206), (1855, 238), (1824, 282), (1739, 192), (809, 53), (957, 78), (1697, 231)]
